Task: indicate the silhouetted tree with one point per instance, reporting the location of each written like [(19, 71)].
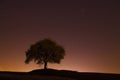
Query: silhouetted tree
[(45, 51)]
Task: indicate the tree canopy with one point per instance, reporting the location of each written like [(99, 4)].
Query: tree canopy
[(45, 51)]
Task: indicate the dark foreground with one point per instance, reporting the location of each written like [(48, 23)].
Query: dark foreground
[(51, 74)]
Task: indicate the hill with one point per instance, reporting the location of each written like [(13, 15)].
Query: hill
[(52, 74)]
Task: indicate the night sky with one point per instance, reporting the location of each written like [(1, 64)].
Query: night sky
[(89, 30)]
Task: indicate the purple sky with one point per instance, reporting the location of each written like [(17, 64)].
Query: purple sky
[(89, 30)]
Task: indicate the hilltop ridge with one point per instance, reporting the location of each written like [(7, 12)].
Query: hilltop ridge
[(57, 75)]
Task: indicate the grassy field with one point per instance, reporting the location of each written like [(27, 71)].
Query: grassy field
[(51, 74)]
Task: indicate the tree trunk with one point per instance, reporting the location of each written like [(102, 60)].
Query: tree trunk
[(45, 66)]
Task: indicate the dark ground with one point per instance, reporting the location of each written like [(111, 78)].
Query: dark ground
[(52, 74)]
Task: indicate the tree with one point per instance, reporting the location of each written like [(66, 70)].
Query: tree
[(45, 51)]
